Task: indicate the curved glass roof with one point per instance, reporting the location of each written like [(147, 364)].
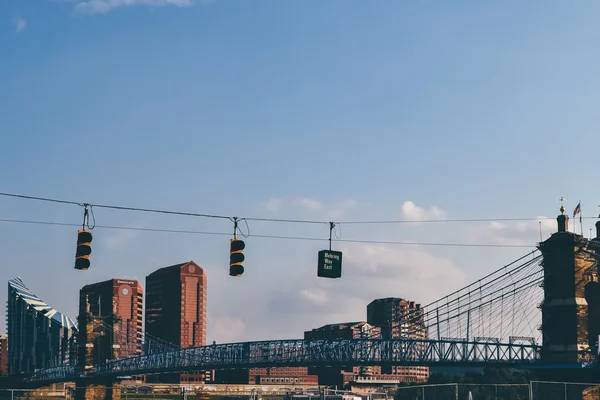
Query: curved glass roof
[(17, 286)]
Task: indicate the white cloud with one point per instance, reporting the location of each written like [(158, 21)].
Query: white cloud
[(104, 6), (368, 272), (309, 204), (273, 204), (19, 24), (412, 212)]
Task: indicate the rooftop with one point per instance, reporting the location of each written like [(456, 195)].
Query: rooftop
[(168, 269)]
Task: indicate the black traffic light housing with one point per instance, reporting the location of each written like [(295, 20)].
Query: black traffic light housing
[(82, 255), (236, 257)]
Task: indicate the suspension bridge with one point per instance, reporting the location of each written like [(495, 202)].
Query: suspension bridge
[(536, 310), (493, 321)]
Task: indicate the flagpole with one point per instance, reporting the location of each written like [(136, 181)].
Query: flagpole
[(580, 218)]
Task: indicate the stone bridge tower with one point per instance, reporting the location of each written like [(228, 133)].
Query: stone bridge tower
[(571, 306)]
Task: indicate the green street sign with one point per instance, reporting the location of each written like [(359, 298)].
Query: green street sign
[(330, 264)]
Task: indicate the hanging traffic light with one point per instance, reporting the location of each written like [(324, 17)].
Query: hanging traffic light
[(82, 255), (236, 257)]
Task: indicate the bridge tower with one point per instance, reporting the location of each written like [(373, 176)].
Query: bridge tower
[(571, 306)]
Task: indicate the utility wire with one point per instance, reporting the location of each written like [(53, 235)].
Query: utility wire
[(280, 220), (20, 221), (20, 196)]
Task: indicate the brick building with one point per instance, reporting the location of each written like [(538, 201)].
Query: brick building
[(281, 376), (293, 376), (110, 320), (3, 355), (176, 310), (399, 318)]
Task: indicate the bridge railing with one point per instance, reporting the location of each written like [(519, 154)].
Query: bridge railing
[(54, 374), (324, 353)]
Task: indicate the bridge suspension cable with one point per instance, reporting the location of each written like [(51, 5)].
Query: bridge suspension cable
[(496, 307)]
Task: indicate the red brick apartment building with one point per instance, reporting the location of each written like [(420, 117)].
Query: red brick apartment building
[(399, 318)]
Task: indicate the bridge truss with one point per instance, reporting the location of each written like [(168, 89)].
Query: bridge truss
[(310, 353)]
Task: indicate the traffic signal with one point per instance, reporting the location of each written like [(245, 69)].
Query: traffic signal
[(82, 255), (236, 257)]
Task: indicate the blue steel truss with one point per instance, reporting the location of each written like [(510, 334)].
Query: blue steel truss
[(291, 353)]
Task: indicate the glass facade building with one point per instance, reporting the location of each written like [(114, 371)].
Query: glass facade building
[(40, 336)]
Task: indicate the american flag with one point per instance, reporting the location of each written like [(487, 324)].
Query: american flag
[(577, 209)]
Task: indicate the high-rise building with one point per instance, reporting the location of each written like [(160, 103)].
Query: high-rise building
[(40, 336), (110, 321), (3, 355), (399, 318), (176, 309)]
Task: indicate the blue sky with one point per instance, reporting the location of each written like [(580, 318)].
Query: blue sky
[(332, 110)]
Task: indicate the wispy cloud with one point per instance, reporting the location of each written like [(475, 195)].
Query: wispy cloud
[(329, 211), (369, 272), (273, 204), (309, 204), (19, 24), (104, 6), (412, 212), (512, 233), (341, 208)]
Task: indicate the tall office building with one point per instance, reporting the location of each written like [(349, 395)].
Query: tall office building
[(176, 309), (110, 321), (399, 318), (40, 336), (3, 355)]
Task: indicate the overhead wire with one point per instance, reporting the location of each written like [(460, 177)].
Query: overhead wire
[(280, 220), (21, 196), (306, 238)]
